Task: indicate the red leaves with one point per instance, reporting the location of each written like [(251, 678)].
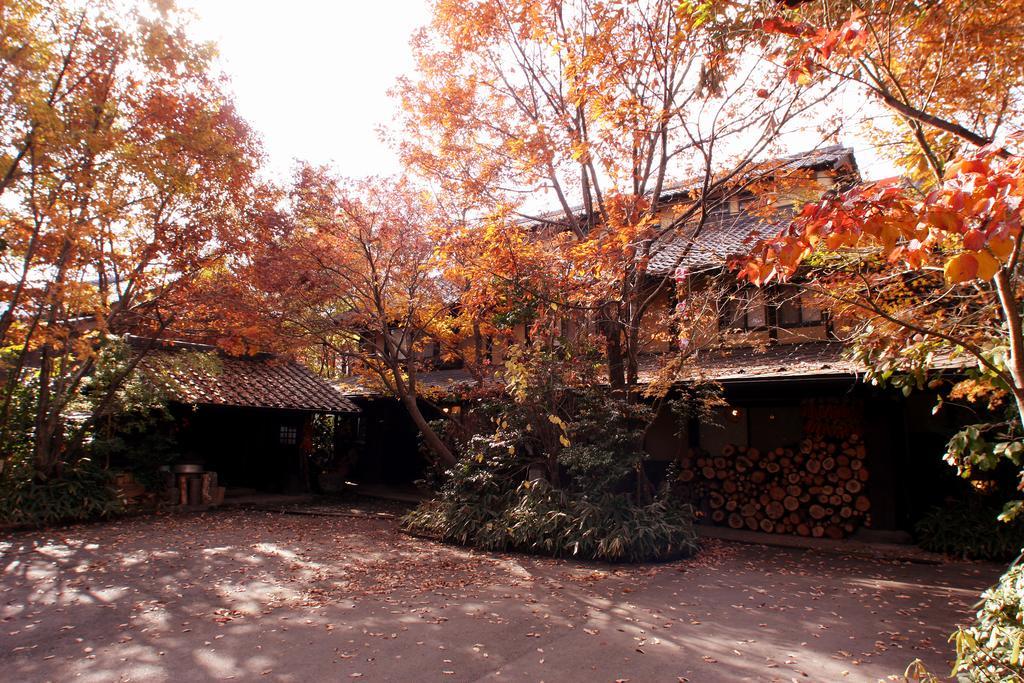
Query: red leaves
[(816, 45), (965, 167), (944, 218), (974, 239), (785, 27), (969, 225)]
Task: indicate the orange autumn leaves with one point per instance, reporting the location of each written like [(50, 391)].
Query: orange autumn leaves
[(946, 73), (817, 45), (970, 225), (128, 183)]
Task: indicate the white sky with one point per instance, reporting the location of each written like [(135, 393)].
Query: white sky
[(312, 76)]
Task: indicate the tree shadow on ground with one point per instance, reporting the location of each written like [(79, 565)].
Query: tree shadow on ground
[(248, 594)]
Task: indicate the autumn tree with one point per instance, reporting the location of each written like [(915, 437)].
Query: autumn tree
[(926, 267), (353, 269), (125, 174), (948, 73), (598, 109)]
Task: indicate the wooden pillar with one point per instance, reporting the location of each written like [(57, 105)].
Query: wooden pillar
[(305, 450)]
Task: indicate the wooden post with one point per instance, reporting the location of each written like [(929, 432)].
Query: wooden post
[(305, 450), (207, 494)]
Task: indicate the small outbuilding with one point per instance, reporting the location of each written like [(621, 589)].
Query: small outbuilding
[(261, 422)]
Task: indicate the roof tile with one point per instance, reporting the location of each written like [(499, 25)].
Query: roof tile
[(206, 377)]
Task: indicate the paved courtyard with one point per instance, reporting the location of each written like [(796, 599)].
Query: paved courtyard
[(255, 595)]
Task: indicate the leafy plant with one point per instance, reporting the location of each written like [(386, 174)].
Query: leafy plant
[(556, 475), (536, 518), (83, 492), (970, 529), (134, 430), (16, 434), (992, 649)]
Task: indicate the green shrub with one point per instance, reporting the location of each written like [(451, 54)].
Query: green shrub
[(556, 468), (542, 520), (83, 492), (970, 529), (993, 648)]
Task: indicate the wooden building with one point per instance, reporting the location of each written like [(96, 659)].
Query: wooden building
[(250, 419), (804, 446)]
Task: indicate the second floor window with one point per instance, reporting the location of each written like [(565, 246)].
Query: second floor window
[(753, 308), (744, 309), (796, 307)]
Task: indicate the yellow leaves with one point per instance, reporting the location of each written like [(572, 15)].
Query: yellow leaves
[(580, 152), (987, 265), (562, 438), (970, 265), (1001, 246), (960, 268)]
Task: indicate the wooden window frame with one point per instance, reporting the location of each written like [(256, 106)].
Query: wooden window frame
[(726, 325), (288, 435), (803, 322)]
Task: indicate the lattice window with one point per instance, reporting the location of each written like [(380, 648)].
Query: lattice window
[(289, 435)]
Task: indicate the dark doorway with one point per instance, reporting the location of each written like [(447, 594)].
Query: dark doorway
[(248, 448)]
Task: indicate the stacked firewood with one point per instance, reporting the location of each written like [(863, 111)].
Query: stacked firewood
[(816, 489)]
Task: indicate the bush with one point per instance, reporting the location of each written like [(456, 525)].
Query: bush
[(83, 492), (993, 648), (970, 529), (536, 518), (556, 468)]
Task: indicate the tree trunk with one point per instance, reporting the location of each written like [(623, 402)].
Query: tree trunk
[(631, 355), (43, 455), (1015, 329), (613, 349), (433, 441)]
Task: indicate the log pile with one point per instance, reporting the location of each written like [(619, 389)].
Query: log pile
[(815, 489)]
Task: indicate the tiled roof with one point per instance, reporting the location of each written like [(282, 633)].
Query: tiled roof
[(822, 157), (197, 374), (720, 238), (724, 236), (456, 379), (730, 365), (778, 361), (829, 157)]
